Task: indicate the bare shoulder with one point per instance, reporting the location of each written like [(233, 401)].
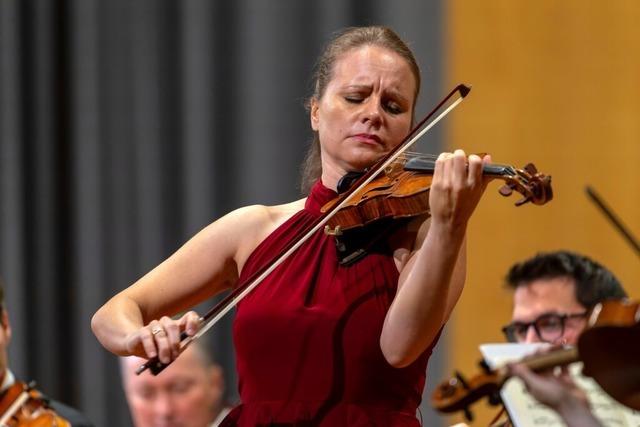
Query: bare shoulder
[(258, 218), (252, 224)]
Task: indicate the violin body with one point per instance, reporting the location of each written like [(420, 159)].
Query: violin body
[(23, 406), (394, 194)]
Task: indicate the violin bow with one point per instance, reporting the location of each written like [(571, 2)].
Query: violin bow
[(613, 218), (235, 296)]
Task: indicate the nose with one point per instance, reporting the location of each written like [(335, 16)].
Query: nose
[(372, 113), (531, 336), (163, 406)]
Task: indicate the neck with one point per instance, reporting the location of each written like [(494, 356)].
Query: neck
[(330, 176)]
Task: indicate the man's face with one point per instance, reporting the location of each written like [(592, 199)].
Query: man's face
[(185, 394), (548, 300)]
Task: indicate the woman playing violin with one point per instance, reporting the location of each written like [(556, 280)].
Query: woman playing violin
[(319, 343)]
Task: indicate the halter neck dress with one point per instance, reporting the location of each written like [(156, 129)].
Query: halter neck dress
[(307, 339)]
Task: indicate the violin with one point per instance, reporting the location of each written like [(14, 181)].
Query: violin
[(22, 405), (402, 191), (609, 348)]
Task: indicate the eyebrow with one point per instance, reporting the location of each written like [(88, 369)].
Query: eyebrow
[(392, 92), (546, 313)]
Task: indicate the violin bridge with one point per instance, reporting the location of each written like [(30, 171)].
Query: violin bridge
[(337, 231)]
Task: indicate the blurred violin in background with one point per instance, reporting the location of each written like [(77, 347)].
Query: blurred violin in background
[(22, 405), (609, 349)]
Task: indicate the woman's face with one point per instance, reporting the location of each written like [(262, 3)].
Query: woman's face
[(366, 109)]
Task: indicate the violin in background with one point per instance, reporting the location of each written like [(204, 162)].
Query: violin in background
[(22, 405), (609, 349)]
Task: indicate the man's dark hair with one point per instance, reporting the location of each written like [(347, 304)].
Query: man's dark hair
[(594, 283)]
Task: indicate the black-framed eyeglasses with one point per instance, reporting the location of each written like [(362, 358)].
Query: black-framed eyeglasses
[(549, 327)]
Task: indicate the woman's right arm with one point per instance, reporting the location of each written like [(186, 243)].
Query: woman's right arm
[(204, 266)]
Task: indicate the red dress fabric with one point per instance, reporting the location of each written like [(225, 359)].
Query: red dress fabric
[(307, 339)]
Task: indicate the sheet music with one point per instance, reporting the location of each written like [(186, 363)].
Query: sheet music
[(525, 411)]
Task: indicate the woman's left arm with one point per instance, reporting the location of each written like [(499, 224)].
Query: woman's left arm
[(432, 272)]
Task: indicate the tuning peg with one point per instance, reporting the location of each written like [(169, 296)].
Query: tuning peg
[(495, 399), (531, 169), (468, 414), (462, 380), (484, 366), (505, 190)]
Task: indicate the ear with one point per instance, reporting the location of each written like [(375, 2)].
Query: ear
[(216, 381), (315, 119), (6, 325)]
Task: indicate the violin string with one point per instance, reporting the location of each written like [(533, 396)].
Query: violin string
[(408, 155)]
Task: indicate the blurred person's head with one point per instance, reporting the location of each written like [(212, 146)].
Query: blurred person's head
[(553, 292), (188, 393)]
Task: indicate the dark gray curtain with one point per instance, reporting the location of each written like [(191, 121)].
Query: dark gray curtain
[(125, 127)]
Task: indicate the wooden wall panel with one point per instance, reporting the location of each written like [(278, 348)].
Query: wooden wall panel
[(557, 84)]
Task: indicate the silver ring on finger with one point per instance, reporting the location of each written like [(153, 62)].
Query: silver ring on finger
[(157, 330)]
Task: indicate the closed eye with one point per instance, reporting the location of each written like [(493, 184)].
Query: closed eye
[(354, 99), (393, 108)]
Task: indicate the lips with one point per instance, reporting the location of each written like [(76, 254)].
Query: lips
[(368, 138)]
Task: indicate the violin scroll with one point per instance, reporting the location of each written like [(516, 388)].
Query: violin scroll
[(533, 185), (458, 393)]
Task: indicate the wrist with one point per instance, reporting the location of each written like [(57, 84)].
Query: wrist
[(576, 413), (446, 231)]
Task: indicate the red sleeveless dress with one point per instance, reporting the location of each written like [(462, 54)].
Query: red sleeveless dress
[(307, 339)]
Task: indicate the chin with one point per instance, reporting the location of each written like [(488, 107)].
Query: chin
[(359, 160)]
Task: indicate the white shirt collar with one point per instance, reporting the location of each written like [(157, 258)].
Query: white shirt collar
[(223, 413), (8, 381)]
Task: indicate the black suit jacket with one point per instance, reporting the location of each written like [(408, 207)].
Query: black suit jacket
[(68, 413)]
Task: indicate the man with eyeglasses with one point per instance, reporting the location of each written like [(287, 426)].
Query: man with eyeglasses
[(553, 293)]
